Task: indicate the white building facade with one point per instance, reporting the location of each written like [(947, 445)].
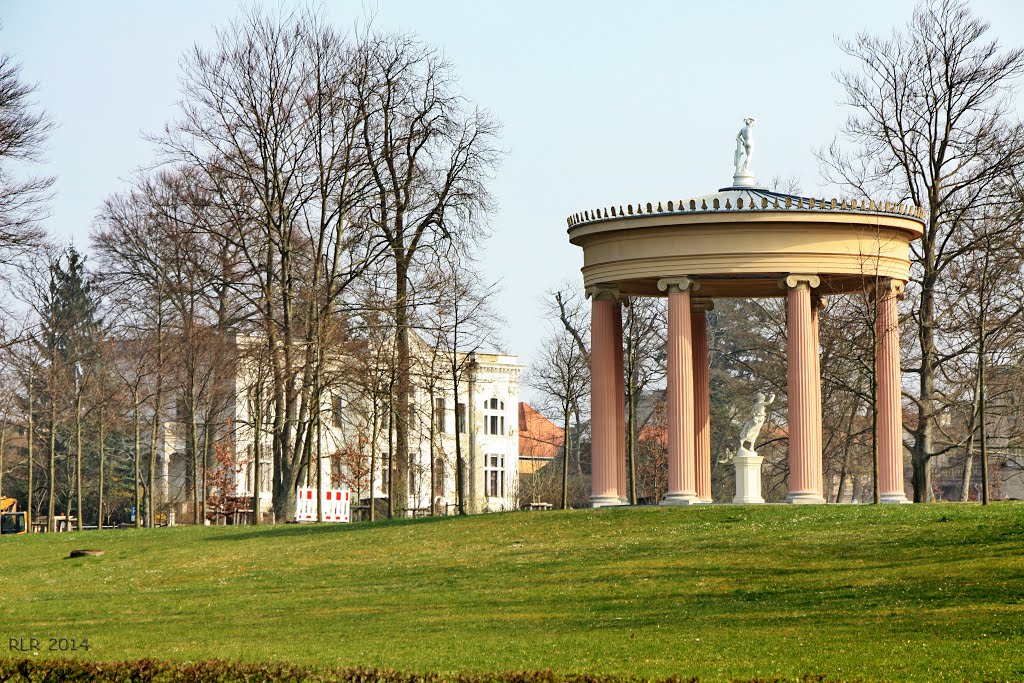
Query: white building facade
[(356, 441)]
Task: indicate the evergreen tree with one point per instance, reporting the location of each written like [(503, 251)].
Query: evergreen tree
[(69, 345)]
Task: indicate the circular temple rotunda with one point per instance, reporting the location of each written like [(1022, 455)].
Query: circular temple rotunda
[(742, 241)]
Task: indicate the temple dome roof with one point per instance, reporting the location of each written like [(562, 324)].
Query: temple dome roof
[(745, 199)]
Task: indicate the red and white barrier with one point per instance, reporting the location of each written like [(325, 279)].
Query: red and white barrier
[(336, 505)]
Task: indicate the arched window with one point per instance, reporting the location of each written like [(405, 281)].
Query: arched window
[(494, 416)]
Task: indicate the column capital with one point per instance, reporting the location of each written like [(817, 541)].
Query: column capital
[(701, 305), (678, 283), (795, 280), (887, 286), (604, 293)]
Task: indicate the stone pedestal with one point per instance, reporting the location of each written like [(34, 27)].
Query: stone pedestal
[(680, 499), (744, 179), (748, 477)]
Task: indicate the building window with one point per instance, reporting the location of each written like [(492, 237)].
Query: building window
[(494, 416), (460, 417), (494, 476), (337, 406), (439, 421), (266, 476), (439, 477), (266, 472)]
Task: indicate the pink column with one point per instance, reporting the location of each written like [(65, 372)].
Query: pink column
[(620, 408), (701, 398), (681, 482), (603, 416), (817, 305), (804, 455), (890, 407)]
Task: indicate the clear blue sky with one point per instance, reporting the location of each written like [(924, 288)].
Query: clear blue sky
[(602, 101)]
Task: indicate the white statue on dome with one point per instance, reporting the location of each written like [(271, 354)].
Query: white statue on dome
[(744, 147)]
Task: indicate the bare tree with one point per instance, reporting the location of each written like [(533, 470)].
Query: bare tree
[(23, 133), (568, 307), (987, 307), (562, 376), (451, 317), (932, 124), (269, 127), (645, 365), (430, 156)]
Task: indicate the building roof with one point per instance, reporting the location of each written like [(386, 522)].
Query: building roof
[(746, 199), (539, 437)]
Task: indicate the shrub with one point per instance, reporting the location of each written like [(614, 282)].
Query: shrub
[(218, 671)]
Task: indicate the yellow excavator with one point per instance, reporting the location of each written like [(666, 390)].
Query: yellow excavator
[(12, 521)]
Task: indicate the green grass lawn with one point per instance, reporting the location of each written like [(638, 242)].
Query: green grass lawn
[(926, 593)]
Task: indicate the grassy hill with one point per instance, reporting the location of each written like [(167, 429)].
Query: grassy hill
[(927, 593)]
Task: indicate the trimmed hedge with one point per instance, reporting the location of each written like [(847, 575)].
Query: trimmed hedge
[(218, 671)]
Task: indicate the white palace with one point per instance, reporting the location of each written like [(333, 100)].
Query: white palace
[(355, 433)]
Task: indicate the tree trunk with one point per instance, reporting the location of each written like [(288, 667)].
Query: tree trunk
[(873, 383), (157, 406), (51, 503), (968, 475), (375, 434), (842, 483), (257, 447), (982, 435), (205, 469), (319, 448), (921, 455), (99, 498), (433, 419), (400, 486), (471, 461), (3, 445), (566, 452), (982, 339), (460, 462), (78, 459), (193, 445), (31, 441), (631, 436), (391, 456), (138, 460)]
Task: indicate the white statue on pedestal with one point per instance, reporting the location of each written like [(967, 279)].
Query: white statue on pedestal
[(752, 427), (746, 460), (743, 176)]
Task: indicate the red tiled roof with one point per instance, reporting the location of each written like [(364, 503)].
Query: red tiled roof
[(539, 437)]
